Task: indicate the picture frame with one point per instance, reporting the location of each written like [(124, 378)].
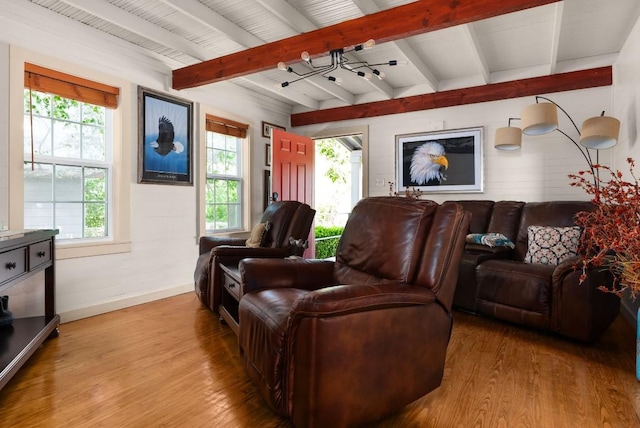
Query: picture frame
[(441, 161), (165, 139), (267, 155), (267, 127)]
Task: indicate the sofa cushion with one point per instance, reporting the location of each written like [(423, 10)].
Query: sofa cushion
[(515, 291), (551, 245), (399, 225), (480, 214), (505, 218)]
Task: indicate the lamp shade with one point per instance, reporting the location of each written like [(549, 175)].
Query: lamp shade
[(539, 118), (600, 132), (508, 138)]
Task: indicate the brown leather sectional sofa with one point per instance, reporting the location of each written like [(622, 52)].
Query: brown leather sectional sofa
[(496, 281)]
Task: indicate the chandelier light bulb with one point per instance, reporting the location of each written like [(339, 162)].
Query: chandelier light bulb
[(369, 44), (281, 86), (361, 68), (379, 74)]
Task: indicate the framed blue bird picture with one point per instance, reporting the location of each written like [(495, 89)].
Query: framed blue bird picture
[(439, 162), (165, 138)]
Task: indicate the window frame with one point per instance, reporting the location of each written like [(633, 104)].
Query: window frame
[(205, 114), (106, 164), (124, 133), (238, 178)]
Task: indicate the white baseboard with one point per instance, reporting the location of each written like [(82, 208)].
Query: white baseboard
[(102, 308)]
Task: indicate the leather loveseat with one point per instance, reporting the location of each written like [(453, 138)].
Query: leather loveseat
[(344, 342), (498, 282)]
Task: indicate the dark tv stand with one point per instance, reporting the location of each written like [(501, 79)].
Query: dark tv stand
[(22, 254)]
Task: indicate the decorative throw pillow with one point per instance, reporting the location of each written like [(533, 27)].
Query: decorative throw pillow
[(550, 245), (490, 240), (258, 234)]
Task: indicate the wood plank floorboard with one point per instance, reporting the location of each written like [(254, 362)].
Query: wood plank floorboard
[(170, 363)]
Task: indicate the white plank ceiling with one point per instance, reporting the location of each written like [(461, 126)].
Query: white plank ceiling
[(564, 36)]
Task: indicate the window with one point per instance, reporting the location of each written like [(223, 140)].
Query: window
[(68, 155), (223, 195)]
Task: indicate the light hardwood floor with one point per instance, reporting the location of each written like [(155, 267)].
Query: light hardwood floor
[(171, 364)]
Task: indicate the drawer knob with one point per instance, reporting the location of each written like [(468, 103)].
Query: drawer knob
[(41, 254), (232, 285), (11, 265)]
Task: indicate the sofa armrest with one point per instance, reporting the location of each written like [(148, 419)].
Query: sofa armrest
[(580, 310), (247, 252), (489, 252), (572, 264), (309, 274), (207, 243), (342, 299)]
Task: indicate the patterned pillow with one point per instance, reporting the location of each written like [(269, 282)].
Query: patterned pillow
[(550, 245)]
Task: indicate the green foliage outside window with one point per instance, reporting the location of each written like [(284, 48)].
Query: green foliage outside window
[(326, 248), (95, 194), (71, 133), (223, 209), (222, 202)]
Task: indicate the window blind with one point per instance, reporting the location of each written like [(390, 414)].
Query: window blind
[(226, 126), (65, 85)]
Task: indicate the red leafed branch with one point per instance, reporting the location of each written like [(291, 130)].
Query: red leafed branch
[(611, 233)]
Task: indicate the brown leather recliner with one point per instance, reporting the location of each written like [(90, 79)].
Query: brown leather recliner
[(344, 342), (287, 219)]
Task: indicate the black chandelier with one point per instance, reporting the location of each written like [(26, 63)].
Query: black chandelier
[(338, 60)]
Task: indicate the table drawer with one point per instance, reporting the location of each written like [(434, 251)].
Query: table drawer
[(39, 254), (12, 264), (232, 286)]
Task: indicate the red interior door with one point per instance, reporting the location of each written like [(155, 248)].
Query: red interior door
[(292, 170)]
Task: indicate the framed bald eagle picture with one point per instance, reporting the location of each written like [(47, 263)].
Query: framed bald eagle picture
[(165, 128), (439, 162)]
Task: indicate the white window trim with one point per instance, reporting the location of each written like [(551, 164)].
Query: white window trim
[(124, 134), (201, 112)]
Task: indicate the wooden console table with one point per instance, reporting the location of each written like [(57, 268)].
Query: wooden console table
[(23, 254), (231, 294)]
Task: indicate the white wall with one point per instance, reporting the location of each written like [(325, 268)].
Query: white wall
[(163, 218), (627, 99), (537, 172), (4, 136), (627, 109)]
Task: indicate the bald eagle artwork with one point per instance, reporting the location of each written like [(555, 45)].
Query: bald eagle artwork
[(427, 164), (165, 143)]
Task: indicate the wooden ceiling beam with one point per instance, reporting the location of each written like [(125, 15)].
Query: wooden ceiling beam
[(570, 81), (392, 24)]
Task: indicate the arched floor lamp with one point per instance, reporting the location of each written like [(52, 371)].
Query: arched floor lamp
[(600, 132)]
